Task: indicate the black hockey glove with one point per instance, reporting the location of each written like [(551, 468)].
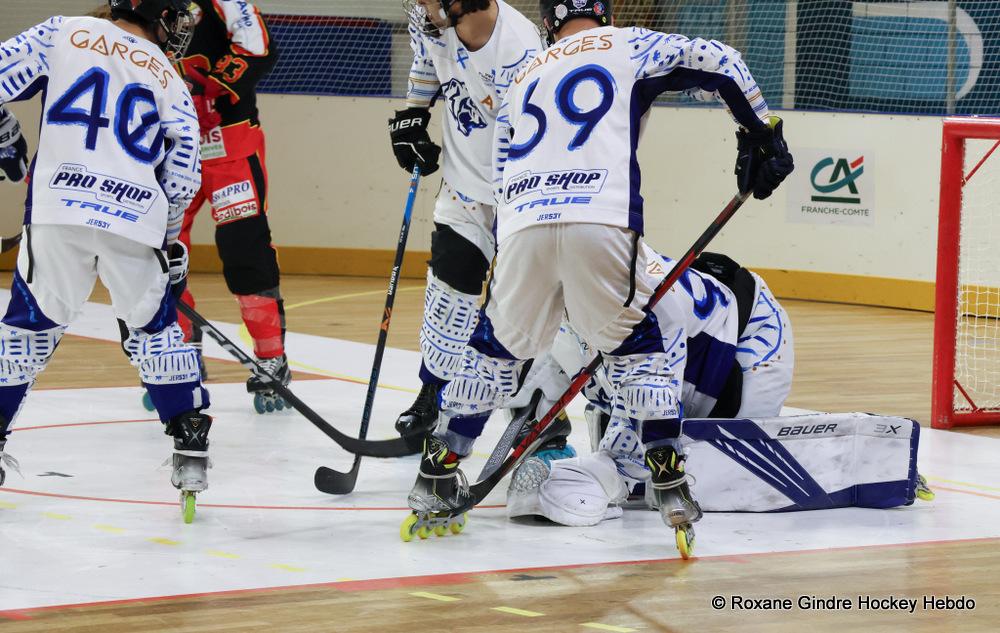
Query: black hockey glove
[(177, 268), (410, 142), (762, 160), (13, 149)]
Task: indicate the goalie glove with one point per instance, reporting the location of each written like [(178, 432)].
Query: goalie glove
[(13, 148), (762, 160), (410, 142), (177, 268)]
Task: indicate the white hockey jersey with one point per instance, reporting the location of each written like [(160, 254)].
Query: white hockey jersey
[(568, 131), (471, 85), (118, 148)]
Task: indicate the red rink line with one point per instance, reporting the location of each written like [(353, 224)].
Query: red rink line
[(459, 578)]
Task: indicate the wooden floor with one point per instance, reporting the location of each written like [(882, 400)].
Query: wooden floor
[(848, 358)]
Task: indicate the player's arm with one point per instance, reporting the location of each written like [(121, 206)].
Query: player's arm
[(24, 68), (179, 172), (411, 143), (707, 69), (251, 54)]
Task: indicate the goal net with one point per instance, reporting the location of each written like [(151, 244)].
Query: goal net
[(967, 312), (882, 56)]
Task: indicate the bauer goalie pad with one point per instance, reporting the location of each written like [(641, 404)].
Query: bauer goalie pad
[(804, 462)]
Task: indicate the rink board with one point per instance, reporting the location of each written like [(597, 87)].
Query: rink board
[(94, 518)]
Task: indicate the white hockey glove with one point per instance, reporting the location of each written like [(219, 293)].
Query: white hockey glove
[(13, 148)]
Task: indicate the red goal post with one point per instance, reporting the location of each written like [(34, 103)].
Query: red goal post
[(966, 374)]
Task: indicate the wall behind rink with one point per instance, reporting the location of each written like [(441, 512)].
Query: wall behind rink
[(337, 196)]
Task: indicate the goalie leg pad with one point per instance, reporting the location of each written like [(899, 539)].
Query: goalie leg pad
[(483, 384), (450, 318), (168, 368), (578, 492), (766, 354)]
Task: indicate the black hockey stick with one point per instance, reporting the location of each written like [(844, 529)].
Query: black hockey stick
[(8, 243), (398, 447), (537, 435), (332, 481)]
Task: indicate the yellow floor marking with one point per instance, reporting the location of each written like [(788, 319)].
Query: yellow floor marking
[(110, 529), (57, 517), (522, 612), (962, 483), (163, 541), (7, 506), (352, 295), (218, 554), (607, 627), (287, 567), (434, 596), (345, 580)]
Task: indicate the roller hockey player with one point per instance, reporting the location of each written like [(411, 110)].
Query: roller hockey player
[(117, 163), (466, 51), (230, 53), (569, 222)]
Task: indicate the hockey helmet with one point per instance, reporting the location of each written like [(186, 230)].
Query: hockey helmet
[(556, 13), (418, 17), (175, 17)]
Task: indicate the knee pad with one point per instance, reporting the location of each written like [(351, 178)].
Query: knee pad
[(483, 384), (575, 492), (249, 262), (645, 386), (24, 355), (168, 368), (450, 318), (456, 261)]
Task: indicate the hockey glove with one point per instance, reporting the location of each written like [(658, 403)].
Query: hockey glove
[(762, 160), (410, 142), (177, 263), (13, 148)]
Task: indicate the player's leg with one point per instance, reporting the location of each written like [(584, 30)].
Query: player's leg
[(520, 319), (54, 275), (766, 354), (192, 335), (136, 278), (250, 266), (461, 250), (605, 304)]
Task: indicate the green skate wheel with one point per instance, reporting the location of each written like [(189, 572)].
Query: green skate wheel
[(147, 402), (406, 530), (423, 532), (685, 541), (188, 506), (440, 530), (458, 525)]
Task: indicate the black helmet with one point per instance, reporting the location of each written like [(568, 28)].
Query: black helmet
[(418, 16), (176, 17), (556, 13)]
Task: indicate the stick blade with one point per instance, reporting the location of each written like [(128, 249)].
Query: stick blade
[(334, 482)]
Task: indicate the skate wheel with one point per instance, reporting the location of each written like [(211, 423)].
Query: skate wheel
[(188, 506), (147, 402), (406, 530), (440, 530), (423, 532), (926, 494), (279, 404), (685, 541), (458, 525), (258, 403)]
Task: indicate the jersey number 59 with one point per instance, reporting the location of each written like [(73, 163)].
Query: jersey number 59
[(586, 120), (93, 84)]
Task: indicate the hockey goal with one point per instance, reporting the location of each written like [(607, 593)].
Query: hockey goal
[(966, 388)]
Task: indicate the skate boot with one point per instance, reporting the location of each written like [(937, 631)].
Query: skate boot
[(924, 492), (190, 458), (673, 496), (440, 490), (8, 461), (265, 399), (422, 414)]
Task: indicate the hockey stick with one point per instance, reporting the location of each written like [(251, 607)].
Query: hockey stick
[(332, 481), (537, 434), (8, 243), (398, 447)]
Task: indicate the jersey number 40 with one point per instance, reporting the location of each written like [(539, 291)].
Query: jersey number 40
[(134, 100), (586, 120)]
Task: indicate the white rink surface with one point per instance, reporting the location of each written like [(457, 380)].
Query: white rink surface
[(94, 517)]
